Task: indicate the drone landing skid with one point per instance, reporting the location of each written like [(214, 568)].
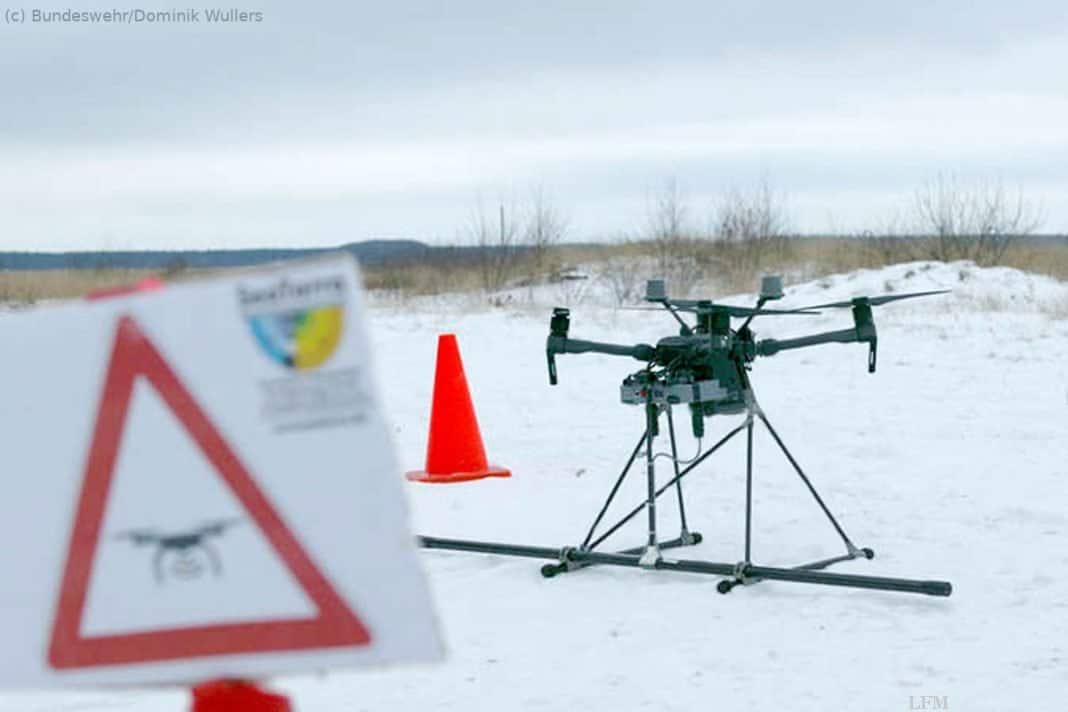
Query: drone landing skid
[(649, 555), (572, 559)]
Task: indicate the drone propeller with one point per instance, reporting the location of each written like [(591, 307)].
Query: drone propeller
[(737, 312), (692, 305), (875, 301)]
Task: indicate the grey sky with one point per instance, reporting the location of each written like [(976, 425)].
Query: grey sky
[(348, 121)]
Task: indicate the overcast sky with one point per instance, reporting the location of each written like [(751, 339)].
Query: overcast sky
[(346, 121)]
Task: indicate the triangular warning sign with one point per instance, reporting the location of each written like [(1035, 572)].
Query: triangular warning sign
[(134, 355)]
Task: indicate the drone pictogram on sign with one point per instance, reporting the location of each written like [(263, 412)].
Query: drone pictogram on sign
[(180, 549)]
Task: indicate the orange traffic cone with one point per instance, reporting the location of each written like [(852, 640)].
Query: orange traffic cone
[(454, 451)]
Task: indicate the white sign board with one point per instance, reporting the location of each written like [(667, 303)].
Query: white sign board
[(200, 483)]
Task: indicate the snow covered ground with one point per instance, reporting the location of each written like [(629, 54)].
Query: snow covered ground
[(951, 462)]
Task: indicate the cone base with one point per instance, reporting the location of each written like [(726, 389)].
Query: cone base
[(447, 477), (232, 695)]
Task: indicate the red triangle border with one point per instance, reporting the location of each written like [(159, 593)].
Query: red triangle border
[(335, 625)]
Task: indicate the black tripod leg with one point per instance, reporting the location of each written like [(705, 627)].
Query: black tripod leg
[(748, 488), (684, 534), (615, 489), (740, 577), (685, 471), (652, 553), (853, 550)]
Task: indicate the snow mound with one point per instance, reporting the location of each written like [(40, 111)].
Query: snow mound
[(973, 287), (621, 282)]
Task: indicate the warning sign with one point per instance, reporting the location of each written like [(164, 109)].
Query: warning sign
[(333, 624), (200, 539)]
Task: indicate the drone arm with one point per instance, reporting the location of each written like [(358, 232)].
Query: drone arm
[(770, 347), (863, 331), (564, 345), (559, 343)]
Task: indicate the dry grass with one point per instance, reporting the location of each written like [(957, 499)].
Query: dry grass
[(802, 259), (34, 285), (811, 258), (844, 254), (1051, 260), (420, 278)]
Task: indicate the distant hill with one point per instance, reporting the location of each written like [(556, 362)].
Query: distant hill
[(371, 252)]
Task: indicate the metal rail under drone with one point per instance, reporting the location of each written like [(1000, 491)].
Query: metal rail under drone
[(706, 367)]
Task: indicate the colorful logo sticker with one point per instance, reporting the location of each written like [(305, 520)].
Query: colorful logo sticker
[(301, 339), (297, 324)]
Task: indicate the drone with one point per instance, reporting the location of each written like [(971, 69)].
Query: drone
[(183, 545), (706, 366)]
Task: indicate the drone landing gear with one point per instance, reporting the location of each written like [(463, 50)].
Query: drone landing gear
[(568, 562), (744, 570), (742, 573), (649, 556)]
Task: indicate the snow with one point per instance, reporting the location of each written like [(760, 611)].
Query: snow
[(951, 462)]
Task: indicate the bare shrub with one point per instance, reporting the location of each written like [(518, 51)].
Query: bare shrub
[(626, 276), (888, 248), (977, 221), (495, 237), (571, 292), (750, 230), (673, 238), (544, 228), (890, 243), (668, 216), (515, 241)]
